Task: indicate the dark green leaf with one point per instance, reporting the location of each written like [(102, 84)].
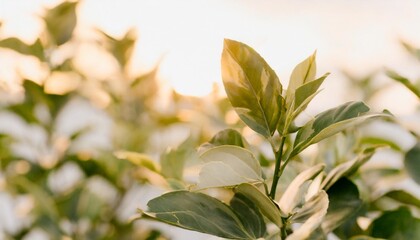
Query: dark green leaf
[(249, 214), (61, 21), (395, 225), (252, 87), (329, 123), (344, 203), (198, 212), (412, 163)]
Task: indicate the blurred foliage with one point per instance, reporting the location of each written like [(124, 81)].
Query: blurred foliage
[(51, 182)]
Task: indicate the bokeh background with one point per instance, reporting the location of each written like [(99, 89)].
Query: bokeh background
[(80, 81)]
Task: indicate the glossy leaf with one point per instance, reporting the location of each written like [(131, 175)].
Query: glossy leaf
[(344, 203), (251, 217), (329, 123), (198, 212), (314, 221), (61, 21), (412, 163), (252, 87), (267, 207), (397, 224), (228, 166), (292, 197), (347, 168)]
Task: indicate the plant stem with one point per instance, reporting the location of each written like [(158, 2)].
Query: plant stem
[(277, 172)]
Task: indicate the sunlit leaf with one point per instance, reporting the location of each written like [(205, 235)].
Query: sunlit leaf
[(173, 160), (314, 221), (248, 212), (412, 163), (305, 92), (397, 224), (347, 168), (329, 123), (228, 166), (407, 83), (252, 87), (122, 49), (198, 212), (267, 207), (292, 196), (344, 203), (225, 137), (138, 159), (61, 21)]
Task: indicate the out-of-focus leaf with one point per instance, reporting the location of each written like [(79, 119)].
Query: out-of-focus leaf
[(122, 49), (228, 166), (374, 141), (397, 224), (252, 87), (412, 163), (360, 237), (267, 207), (329, 123), (310, 207), (347, 168), (407, 83), (173, 160), (61, 21), (198, 212), (314, 221), (412, 50), (138, 159), (344, 202), (249, 214), (403, 197), (36, 49), (292, 197), (225, 137)]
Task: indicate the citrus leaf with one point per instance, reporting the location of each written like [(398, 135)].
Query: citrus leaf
[(291, 197), (344, 202), (267, 207), (228, 166), (329, 123), (252, 87), (197, 212)]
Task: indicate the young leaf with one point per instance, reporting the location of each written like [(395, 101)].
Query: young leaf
[(306, 91), (267, 207), (412, 163), (314, 221), (198, 212), (250, 215), (310, 207), (344, 202), (228, 166), (290, 198), (252, 87), (303, 73), (397, 224), (347, 168), (329, 123)]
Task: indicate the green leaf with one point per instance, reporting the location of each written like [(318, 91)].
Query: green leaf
[(361, 237), (292, 196), (250, 215), (61, 21), (403, 197), (344, 203), (228, 166), (198, 212), (36, 49), (303, 73), (122, 49), (305, 92), (397, 224), (252, 87), (407, 83), (347, 168), (267, 207), (329, 123), (173, 160), (310, 207), (320, 205), (412, 163), (138, 159), (225, 137)]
